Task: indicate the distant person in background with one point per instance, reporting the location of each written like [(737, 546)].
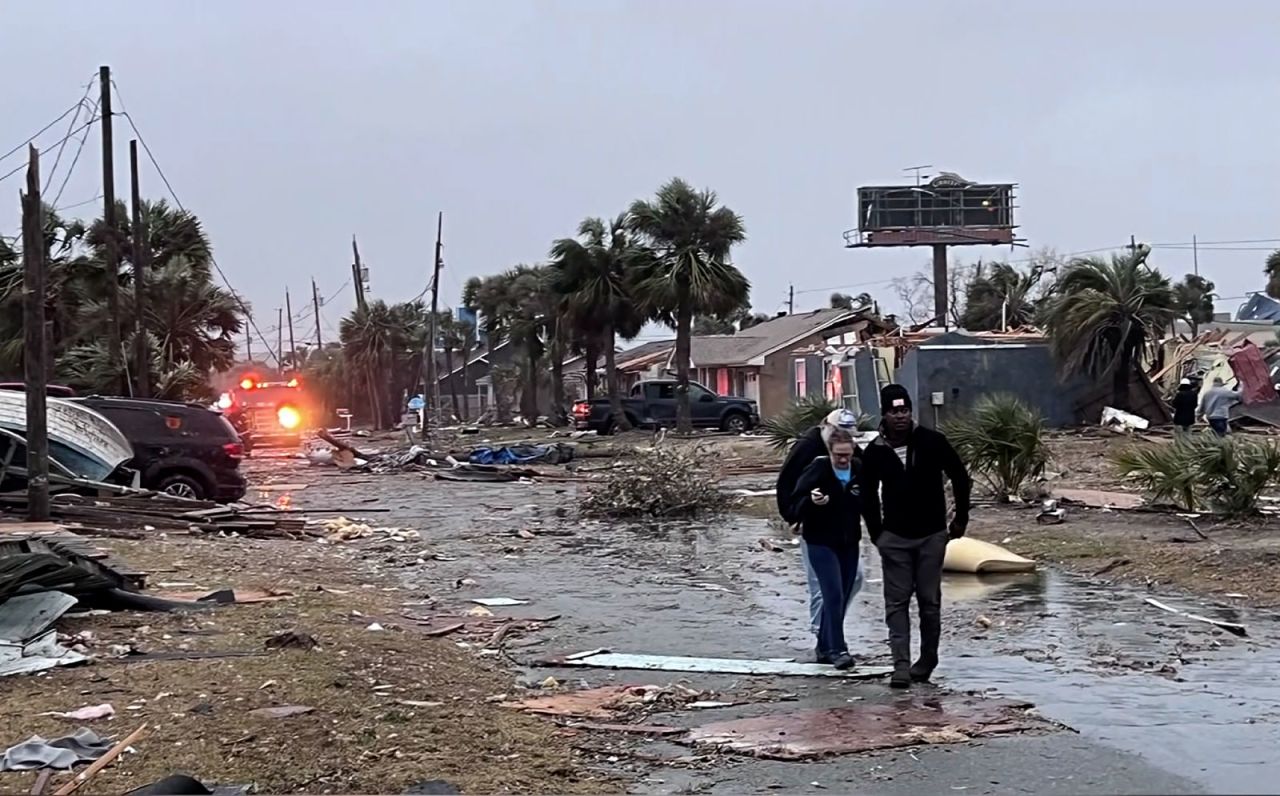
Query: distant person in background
[(1216, 404), (905, 505), (803, 452), (1185, 401), (829, 508)]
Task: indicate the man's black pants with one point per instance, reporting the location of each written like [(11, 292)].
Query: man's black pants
[(913, 566)]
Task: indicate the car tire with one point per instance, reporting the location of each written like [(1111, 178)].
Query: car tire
[(184, 486), (734, 423)]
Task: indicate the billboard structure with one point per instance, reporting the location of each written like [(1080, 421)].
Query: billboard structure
[(946, 211)]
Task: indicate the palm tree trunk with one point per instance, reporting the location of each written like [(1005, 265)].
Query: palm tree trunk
[(466, 389), (557, 413), (684, 324), (375, 406), (620, 422), (590, 355), (453, 383), (529, 400), (1120, 379)]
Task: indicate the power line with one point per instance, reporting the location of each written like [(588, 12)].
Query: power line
[(71, 169), (41, 132), (9, 174), (77, 204), (62, 147), (150, 156)]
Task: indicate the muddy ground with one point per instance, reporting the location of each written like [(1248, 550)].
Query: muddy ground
[(1129, 698)]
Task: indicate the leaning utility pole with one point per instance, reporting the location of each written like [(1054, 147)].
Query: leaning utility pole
[(791, 300), (248, 343), (357, 274), (280, 338), (315, 307), (33, 298), (141, 261), (431, 393), (288, 312), (109, 221)]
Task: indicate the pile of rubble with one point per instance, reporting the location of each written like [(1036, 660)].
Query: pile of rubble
[(658, 482)]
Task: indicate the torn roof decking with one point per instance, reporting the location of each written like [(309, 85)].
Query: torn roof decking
[(41, 561)]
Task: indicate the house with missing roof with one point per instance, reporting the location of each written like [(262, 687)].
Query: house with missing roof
[(758, 363)]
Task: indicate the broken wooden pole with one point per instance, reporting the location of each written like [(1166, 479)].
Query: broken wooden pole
[(34, 372)]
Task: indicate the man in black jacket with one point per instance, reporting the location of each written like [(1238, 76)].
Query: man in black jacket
[(803, 452), (905, 506)]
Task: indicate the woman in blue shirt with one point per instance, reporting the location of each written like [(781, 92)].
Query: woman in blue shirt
[(827, 504)]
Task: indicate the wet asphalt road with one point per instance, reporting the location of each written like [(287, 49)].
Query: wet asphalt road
[(1155, 703)]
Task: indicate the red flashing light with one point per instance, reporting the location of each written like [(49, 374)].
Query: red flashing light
[(292, 383), (247, 384)]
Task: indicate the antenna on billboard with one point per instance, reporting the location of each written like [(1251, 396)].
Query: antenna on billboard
[(917, 170)]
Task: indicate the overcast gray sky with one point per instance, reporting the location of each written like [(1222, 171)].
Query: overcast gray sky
[(287, 126)]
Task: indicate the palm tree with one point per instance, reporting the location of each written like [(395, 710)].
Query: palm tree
[(451, 339), (1272, 270), (593, 276), (690, 235), (1002, 296), (368, 335), (1195, 300), (1103, 314)]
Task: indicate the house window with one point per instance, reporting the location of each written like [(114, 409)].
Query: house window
[(802, 372)]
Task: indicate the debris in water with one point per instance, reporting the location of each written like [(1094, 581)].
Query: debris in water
[(983, 621), (1233, 628), (498, 602)]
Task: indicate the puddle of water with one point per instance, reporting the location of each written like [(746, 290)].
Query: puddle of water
[(1085, 655)]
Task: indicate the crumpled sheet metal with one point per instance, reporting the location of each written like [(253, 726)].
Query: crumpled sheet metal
[(82, 746), (862, 728)]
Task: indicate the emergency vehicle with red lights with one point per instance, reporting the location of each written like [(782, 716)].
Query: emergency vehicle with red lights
[(269, 413)]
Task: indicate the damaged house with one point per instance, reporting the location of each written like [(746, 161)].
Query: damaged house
[(757, 363), (946, 372)]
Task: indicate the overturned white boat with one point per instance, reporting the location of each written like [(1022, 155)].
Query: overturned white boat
[(81, 442)]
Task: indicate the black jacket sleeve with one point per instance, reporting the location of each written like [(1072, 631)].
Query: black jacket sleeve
[(961, 484), (806, 449), (869, 487), (810, 479)]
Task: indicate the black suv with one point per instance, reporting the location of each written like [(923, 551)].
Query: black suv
[(183, 449)]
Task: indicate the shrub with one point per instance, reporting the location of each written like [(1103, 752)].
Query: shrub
[(659, 482), (1001, 439), (1202, 472), (803, 414)]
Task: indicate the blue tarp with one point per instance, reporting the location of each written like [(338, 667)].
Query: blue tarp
[(1259, 307), (522, 454)]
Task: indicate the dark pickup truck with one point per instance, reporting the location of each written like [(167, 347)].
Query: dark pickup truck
[(652, 404)]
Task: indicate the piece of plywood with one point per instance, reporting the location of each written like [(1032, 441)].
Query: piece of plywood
[(679, 663)]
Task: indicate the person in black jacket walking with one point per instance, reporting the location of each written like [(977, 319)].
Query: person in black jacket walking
[(905, 506), (827, 503), (805, 450), (1185, 402)]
